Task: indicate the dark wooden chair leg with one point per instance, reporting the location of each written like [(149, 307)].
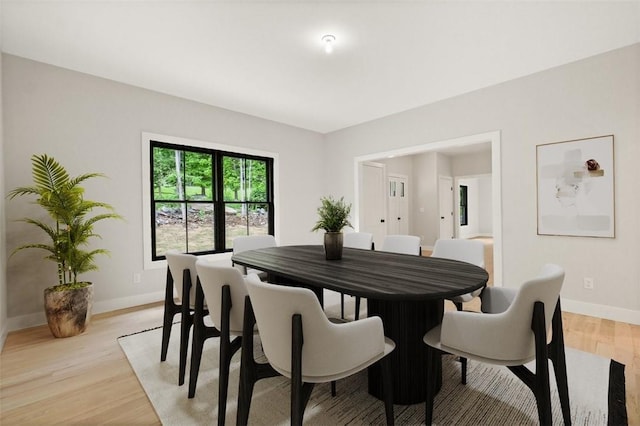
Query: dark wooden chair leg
[(387, 383), (250, 371), (185, 325), (538, 382), (333, 388), (357, 308), (227, 349), (170, 311), (463, 369), (342, 305), (300, 391), (557, 356), (201, 332), (431, 384)]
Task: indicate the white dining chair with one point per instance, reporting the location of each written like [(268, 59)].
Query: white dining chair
[(403, 244), (300, 343), (470, 251), (357, 240), (181, 276), (512, 330), (223, 289), (252, 242)]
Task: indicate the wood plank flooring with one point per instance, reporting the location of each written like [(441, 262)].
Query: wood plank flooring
[(87, 379)]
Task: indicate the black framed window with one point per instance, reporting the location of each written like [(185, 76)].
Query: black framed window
[(464, 213), (203, 198)]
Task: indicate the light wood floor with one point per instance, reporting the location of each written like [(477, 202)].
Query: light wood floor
[(87, 379)]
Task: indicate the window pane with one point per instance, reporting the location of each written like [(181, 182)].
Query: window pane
[(200, 227), (198, 176), (258, 219), (235, 222), (233, 174), (167, 174), (169, 228), (256, 180)]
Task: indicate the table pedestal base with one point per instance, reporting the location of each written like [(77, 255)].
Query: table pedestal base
[(405, 322)]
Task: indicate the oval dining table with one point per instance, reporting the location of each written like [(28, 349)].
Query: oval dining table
[(406, 291)]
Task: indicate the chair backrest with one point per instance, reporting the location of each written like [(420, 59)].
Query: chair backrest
[(359, 240), (213, 276), (177, 263), (470, 251), (253, 242), (274, 307), (519, 344), (403, 244)]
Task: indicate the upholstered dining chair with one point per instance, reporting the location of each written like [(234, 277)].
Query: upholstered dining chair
[(181, 275), (403, 244), (252, 242), (300, 343), (358, 240), (511, 331), (470, 251), (223, 289)]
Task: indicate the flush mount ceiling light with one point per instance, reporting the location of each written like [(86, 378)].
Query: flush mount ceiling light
[(328, 41)]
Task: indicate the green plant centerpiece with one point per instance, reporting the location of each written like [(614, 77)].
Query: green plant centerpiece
[(333, 216), (67, 304)]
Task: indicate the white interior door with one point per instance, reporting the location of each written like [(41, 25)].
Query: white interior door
[(397, 205), (445, 196), (373, 207)]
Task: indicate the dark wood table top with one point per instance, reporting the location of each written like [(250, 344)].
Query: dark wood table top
[(368, 273)]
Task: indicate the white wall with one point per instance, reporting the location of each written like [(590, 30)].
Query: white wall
[(91, 124), (3, 242), (595, 96)]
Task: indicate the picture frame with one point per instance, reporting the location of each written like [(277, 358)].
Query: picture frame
[(575, 187)]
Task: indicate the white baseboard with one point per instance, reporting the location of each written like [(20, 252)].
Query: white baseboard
[(601, 311), (35, 319)]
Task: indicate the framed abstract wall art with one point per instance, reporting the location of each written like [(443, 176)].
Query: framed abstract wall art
[(575, 187)]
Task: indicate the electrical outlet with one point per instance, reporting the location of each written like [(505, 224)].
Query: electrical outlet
[(137, 278), (588, 283)]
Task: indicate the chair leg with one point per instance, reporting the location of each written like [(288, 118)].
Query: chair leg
[(387, 383), (538, 382), (250, 371), (300, 391), (357, 308), (431, 384), (333, 388), (342, 305), (458, 306), (200, 333), (170, 310), (227, 349), (557, 356), (463, 369), (185, 325)]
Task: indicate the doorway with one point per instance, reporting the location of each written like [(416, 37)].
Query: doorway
[(493, 139)]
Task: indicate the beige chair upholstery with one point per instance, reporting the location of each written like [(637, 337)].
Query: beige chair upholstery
[(252, 242), (470, 251), (224, 290), (358, 240), (181, 276), (512, 331), (301, 343), (403, 244)]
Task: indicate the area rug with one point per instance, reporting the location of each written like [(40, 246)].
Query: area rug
[(492, 396)]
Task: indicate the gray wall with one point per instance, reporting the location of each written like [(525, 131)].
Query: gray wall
[(91, 124), (595, 96)]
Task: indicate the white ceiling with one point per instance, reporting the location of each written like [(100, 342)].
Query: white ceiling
[(265, 57)]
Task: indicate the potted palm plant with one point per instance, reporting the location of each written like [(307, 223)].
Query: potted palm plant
[(333, 216), (68, 303)]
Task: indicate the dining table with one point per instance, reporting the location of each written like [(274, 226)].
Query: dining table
[(406, 291)]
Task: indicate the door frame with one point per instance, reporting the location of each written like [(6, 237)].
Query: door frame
[(494, 138)]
